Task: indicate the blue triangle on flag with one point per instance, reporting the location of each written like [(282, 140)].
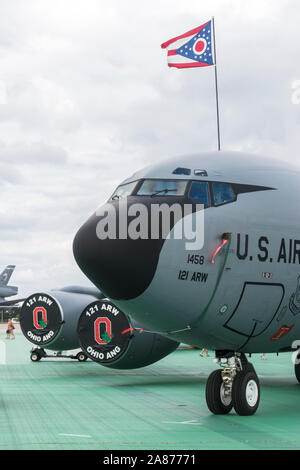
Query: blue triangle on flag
[(199, 47)]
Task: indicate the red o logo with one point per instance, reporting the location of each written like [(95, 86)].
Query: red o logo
[(43, 322), (97, 324)]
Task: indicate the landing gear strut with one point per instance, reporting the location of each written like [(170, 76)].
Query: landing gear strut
[(236, 385)]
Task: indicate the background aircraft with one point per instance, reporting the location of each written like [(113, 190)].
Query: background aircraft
[(5, 290)]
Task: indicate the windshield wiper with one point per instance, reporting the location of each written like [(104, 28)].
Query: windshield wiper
[(166, 190)]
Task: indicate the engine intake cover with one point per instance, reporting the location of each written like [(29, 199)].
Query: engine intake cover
[(101, 330), (108, 336), (41, 319)]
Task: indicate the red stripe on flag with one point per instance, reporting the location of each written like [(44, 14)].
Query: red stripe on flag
[(189, 65), (172, 52), (189, 33)]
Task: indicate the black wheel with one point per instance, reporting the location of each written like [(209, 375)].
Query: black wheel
[(217, 402), (245, 393), (35, 357), (81, 357), (297, 368)]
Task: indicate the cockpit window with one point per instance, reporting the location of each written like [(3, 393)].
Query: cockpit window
[(182, 171), (199, 193), (162, 188), (124, 190), (222, 193)]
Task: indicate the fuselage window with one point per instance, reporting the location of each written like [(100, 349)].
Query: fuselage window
[(199, 193), (162, 188), (124, 190), (222, 193)]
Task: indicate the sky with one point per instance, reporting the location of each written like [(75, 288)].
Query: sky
[(87, 98)]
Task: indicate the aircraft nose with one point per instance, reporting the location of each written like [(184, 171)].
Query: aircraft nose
[(120, 268)]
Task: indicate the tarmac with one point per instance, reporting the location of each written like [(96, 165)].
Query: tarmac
[(64, 404)]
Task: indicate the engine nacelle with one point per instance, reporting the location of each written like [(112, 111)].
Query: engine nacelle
[(107, 336), (49, 320)]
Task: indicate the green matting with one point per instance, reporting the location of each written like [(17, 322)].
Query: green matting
[(64, 404)]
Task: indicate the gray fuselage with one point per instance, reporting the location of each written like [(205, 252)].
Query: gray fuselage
[(241, 290)]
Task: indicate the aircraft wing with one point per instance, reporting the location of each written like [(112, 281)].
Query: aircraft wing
[(8, 303)]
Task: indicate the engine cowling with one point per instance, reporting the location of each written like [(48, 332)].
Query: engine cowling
[(109, 337), (49, 320)]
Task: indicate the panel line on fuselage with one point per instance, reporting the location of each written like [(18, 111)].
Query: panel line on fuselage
[(235, 312), (195, 323)]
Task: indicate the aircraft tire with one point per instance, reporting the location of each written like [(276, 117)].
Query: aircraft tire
[(245, 393), (297, 368), (81, 357), (35, 357), (217, 403)]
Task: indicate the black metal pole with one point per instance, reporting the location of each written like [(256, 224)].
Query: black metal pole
[(216, 84)]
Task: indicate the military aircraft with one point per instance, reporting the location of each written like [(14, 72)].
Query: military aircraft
[(5, 290), (230, 282)]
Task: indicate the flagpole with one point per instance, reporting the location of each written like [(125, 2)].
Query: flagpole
[(216, 85)]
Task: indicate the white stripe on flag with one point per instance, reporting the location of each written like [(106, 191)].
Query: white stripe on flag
[(179, 43), (178, 59)]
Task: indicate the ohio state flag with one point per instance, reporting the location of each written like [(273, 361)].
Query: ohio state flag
[(191, 49)]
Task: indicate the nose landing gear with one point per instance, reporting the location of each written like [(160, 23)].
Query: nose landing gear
[(236, 385)]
